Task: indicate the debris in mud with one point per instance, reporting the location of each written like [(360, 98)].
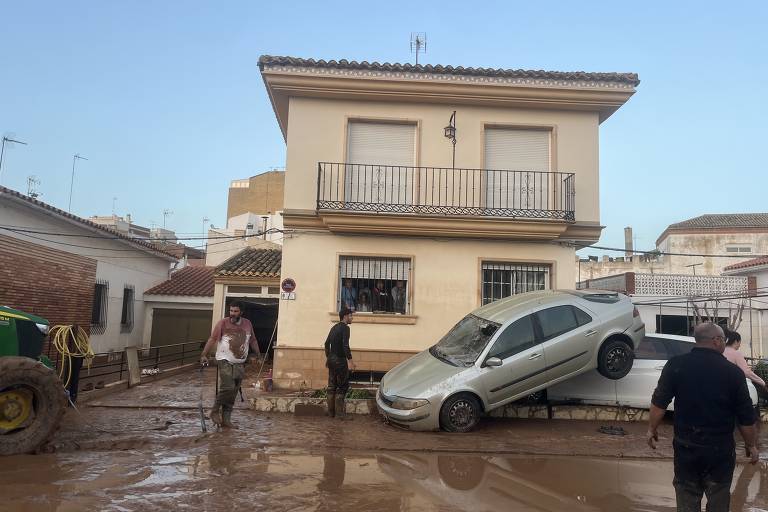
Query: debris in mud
[(613, 431)]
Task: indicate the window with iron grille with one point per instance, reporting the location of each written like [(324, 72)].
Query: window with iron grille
[(99, 307), (501, 280), (374, 285), (126, 318)]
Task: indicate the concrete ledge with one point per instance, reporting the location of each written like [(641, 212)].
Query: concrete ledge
[(289, 403), (122, 385)]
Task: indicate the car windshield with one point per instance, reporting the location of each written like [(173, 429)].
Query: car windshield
[(463, 344)]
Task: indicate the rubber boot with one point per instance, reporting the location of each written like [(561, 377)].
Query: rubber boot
[(341, 409), (331, 400), (227, 419), (216, 415)]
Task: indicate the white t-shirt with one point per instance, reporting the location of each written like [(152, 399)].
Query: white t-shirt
[(234, 339)]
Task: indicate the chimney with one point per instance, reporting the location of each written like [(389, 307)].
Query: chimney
[(628, 242)]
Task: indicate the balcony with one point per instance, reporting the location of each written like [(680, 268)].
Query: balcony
[(445, 201)]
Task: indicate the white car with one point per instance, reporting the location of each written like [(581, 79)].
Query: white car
[(636, 388)]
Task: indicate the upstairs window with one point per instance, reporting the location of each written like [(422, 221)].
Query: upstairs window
[(738, 248)]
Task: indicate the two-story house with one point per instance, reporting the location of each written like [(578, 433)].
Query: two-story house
[(415, 194)]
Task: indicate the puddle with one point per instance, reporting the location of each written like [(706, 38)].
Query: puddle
[(218, 477)]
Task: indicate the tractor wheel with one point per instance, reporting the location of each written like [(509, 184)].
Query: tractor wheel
[(32, 402)]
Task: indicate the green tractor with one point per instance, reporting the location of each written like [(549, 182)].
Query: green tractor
[(32, 398)]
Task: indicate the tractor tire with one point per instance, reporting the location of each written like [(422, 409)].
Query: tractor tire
[(49, 403)]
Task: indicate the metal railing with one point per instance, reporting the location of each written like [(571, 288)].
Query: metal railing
[(109, 367), (445, 191)]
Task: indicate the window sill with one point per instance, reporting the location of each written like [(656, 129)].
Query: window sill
[(379, 318)]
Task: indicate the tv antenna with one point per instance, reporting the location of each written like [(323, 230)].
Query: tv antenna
[(166, 214), (418, 44), (32, 184)]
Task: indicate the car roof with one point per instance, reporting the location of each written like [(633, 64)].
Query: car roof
[(504, 309), (689, 339)]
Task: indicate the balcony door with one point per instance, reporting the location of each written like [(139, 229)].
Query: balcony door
[(380, 160), (526, 151)]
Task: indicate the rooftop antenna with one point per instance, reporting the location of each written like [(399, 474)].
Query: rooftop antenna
[(8, 138), (166, 213), (114, 201), (418, 44), (32, 183), (205, 233)]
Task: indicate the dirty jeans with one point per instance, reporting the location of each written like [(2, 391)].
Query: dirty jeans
[(338, 375), (230, 378), (704, 469)]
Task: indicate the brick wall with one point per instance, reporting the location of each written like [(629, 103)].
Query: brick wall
[(301, 367), (264, 194), (53, 284)]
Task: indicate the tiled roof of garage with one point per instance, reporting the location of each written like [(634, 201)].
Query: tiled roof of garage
[(189, 281), (252, 262)]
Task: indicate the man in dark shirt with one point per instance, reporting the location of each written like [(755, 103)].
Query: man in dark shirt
[(338, 361), (710, 397)]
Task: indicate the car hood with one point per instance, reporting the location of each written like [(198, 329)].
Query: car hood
[(417, 377)]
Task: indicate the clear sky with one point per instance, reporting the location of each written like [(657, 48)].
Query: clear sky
[(165, 98)]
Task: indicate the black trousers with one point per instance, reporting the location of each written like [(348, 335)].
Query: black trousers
[(704, 469), (338, 375)]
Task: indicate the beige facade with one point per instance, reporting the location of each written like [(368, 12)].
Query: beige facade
[(433, 226), (725, 242), (260, 194)]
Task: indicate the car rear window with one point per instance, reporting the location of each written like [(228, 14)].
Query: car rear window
[(582, 317)]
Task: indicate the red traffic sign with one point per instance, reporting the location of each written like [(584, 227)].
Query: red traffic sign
[(288, 285)]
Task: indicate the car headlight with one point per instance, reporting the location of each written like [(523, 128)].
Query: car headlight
[(42, 328), (406, 404)]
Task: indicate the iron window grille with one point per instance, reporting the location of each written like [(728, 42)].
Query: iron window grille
[(502, 280), (99, 307), (374, 285), (126, 317)]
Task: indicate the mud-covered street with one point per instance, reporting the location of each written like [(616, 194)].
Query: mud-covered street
[(143, 449)]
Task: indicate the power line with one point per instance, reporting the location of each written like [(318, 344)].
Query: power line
[(662, 253), (22, 229)]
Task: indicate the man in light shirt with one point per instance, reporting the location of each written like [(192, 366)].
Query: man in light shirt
[(232, 337)]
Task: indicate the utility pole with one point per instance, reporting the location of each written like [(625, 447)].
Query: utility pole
[(205, 232), (75, 158), (2, 150)]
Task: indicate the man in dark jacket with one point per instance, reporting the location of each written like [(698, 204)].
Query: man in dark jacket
[(711, 398), (339, 362)]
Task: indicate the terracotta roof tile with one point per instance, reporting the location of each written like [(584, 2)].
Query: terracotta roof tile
[(87, 223), (625, 78), (191, 281), (756, 262), (252, 262)]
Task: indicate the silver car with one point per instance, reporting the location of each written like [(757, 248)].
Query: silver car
[(507, 350)]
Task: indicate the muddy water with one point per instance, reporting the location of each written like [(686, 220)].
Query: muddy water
[(218, 477)]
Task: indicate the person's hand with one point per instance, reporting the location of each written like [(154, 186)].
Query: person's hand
[(653, 438), (754, 454), (203, 360), (352, 365)]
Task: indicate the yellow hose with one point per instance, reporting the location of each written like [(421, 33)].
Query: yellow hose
[(60, 336)]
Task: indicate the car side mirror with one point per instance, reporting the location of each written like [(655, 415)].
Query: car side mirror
[(493, 361)]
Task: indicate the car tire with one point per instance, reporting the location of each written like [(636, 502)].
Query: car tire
[(460, 413), (615, 359)]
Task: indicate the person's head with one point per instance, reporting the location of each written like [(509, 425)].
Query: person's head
[(400, 284), (348, 283), (363, 298), (380, 285), (732, 339), (345, 315), (235, 310), (709, 335)]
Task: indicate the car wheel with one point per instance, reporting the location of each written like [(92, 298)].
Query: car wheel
[(460, 413), (615, 359)]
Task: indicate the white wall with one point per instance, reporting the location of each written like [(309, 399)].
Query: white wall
[(117, 262)]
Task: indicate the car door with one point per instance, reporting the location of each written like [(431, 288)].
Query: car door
[(636, 388), (568, 335), (522, 367)]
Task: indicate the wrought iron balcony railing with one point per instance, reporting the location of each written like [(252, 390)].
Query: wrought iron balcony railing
[(445, 191)]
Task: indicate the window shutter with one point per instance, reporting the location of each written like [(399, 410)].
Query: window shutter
[(381, 143), (517, 150)]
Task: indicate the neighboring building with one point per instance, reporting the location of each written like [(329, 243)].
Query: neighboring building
[(180, 310), (666, 302), (187, 256), (251, 277), (261, 194), (373, 198), (737, 234), (122, 225), (756, 269), (73, 271), (267, 227), (223, 244)]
